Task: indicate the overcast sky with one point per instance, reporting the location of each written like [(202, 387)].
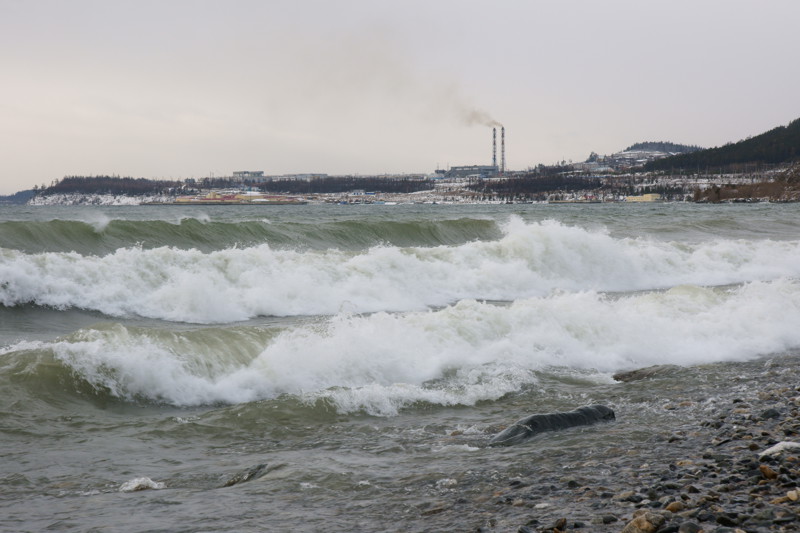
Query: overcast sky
[(190, 88)]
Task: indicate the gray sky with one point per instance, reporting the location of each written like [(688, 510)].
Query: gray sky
[(186, 88)]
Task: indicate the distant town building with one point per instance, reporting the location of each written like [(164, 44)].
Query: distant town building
[(593, 166), (475, 171), (299, 177), (248, 175)]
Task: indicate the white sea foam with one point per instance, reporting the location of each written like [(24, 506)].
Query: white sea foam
[(530, 260), (461, 354), (451, 448), (141, 483)]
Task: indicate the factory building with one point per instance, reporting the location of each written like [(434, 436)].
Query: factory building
[(472, 171), (256, 176), (483, 171)]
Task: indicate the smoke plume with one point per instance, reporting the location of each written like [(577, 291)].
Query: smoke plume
[(478, 117)]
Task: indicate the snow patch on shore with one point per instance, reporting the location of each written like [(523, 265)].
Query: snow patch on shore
[(98, 199)]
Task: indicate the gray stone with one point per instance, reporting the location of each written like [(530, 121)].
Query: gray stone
[(689, 527), (644, 373), (646, 522), (727, 520), (533, 425)]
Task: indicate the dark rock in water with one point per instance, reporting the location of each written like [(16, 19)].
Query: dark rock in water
[(535, 424), (644, 373), (247, 475)]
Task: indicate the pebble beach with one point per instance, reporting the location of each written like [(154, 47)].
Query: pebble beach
[(734, 469)]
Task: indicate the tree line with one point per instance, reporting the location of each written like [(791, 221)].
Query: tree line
[(140, 186), (779, 145), (531, 185), (110, 185), (663, 146), (343, 184)]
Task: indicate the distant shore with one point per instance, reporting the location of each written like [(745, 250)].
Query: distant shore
[(776, 183), (344, 199)]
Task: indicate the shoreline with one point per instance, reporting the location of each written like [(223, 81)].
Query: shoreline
[(730, 470), (387, 199)]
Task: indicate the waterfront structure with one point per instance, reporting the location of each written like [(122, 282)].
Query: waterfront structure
[(650, 197), (248, 174), (476, 171)]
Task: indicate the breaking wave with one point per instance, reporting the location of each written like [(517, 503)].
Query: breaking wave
[(527, 260), (457, 355)]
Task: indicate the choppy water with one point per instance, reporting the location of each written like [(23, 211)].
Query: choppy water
[(364, 354)]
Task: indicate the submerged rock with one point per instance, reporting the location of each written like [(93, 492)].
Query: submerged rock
[(247, 475), (535, 424)]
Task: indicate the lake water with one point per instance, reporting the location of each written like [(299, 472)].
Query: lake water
[(363, 354)]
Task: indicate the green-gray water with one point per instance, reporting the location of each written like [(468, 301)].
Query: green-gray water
[(364, 354)]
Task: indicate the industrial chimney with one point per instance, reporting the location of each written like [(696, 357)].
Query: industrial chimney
[(494, 147), (502, 149)]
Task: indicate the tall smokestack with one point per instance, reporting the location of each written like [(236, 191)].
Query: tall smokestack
[(494, 147), (502, 149)]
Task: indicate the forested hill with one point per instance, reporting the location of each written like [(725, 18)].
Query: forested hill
[(662, 146), (21, 197), (109, 185), (779, 145)]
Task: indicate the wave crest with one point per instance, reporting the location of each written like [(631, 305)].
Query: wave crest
[(458, 355), (529, 260)]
